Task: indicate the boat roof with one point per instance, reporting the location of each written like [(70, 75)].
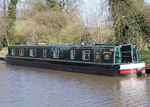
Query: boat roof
[(74, 45), (77, 45)]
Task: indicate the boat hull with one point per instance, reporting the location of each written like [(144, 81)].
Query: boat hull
[(107, 70)]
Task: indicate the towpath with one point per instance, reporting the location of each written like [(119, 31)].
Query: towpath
[(2, 57)]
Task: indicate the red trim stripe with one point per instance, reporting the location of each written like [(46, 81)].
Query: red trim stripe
[(127, 71), (130, 70)]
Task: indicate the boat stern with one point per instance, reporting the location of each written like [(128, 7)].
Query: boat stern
[(136, 69)]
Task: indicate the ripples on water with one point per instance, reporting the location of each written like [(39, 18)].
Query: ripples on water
[(31, 87)]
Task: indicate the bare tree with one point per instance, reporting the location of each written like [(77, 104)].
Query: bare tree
[(97, 25)]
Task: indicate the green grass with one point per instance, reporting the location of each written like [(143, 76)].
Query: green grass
[(146, 56), (5, 48), (4, 51)]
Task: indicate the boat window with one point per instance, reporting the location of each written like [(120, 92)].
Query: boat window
[(86, 54), (44, 53), (21, 52), (32, 52), (97, 56), (56, 54), (72, 54), (12, 51)]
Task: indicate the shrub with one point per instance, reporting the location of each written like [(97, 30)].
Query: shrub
[(1, 46)]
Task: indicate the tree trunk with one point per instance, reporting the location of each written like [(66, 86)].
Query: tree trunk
[(7, 40)]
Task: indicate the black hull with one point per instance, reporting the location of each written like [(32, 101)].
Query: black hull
[(107, 70)]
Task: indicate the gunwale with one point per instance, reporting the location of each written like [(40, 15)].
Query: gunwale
[(48, 59)]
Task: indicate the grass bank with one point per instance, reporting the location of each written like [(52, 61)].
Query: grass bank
[(146, 56), (4, 51)]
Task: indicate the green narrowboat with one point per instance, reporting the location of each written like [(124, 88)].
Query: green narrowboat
[(96, 58)]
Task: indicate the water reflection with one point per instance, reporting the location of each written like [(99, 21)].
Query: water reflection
[(31, 87), (133, 92)]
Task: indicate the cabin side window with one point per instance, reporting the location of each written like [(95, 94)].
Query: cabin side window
[(72, 54), (97, 56), (33, 52), (56, 54), (21, 52), (86, 54), (12, 51), (44, 53)]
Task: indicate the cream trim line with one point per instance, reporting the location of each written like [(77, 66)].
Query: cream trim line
[(61, 60), (132, 66)]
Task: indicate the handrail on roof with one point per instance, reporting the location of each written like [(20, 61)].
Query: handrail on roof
[(109, 43), (125, 44)]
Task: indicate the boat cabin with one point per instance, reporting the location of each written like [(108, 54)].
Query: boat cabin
[(97, 53)]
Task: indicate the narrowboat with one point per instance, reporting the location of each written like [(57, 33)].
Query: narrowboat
[(97, 58)]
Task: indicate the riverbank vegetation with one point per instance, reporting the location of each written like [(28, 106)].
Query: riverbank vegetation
[(52, 21), (146, 56), (1, 46), (67, 21), (131, 20), (4, 51)]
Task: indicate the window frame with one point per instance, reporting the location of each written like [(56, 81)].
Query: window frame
[(13, 51), (83, 55), (71, 54), (21, 52), (32, 50), (55, 52), (45, 55)]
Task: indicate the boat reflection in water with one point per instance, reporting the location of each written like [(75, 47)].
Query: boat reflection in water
[(133, 92)]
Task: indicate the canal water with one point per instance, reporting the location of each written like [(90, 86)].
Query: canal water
[(32, 87)]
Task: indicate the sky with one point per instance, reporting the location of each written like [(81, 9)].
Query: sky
[(148, 1), (86, 6), (88, 2)]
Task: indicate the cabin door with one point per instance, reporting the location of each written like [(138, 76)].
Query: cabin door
[(97, 55)]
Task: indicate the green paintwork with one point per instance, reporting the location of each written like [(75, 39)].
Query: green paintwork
[(106, 53), (117, 55), (139, 56), (134, 53)]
